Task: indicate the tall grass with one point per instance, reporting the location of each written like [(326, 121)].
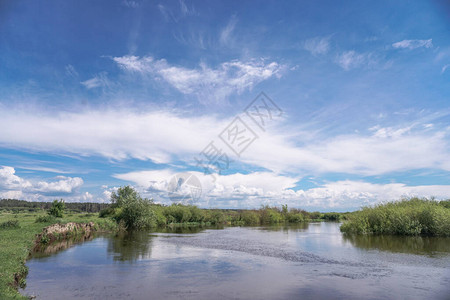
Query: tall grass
[(406, 217)]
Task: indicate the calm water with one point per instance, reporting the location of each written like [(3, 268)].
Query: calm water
[(311, 261)]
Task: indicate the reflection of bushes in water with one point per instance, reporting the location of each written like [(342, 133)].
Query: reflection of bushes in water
[(184, 229), (401, 244), (130, 246), (286, 227), (43, 249)]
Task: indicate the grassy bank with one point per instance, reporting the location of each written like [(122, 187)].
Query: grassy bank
[(17, 235), (409, 217)]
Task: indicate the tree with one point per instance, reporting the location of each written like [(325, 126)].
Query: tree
[(132, 210), (57, 208)]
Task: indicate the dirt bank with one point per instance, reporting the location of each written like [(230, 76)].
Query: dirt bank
[(62, 231)]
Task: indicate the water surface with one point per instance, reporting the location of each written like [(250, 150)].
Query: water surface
[(309, 261)]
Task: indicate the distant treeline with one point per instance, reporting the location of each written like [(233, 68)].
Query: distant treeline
[(22, 205)]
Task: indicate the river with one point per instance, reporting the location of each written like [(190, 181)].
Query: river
[(308, 261)]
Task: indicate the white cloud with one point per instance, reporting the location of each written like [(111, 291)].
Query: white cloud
[(13, 186), (157, 135), (413, 44), (131, 3), (317, 45), (254, 189), (65, 185), (10, 181), (444, 68), (99, 80), (186, 11), (225, 35), (352, 59), (167, 13), (165, 137), (70, 71), (206, 83), (11, 195)]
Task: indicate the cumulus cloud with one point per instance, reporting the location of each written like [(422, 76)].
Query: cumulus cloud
[(10, 181), (317, 45), (13, 186), (64, 185), (413, 44), (253, 189), (208, 84)]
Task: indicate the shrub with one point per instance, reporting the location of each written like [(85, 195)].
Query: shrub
[(407, 217), (177, 213), (10, 224), (161, 220), (216, 217), (57, 208), (332, 216), (294, 217), (250, 217), (270, 215), (315, 215), (106, 212), (132, 210), (197, 214)]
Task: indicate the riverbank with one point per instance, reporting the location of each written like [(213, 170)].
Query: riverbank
[(19, 237)]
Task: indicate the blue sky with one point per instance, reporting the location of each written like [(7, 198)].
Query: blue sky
[(94, 96)]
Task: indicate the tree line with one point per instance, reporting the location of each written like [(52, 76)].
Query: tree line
[(22, 205)]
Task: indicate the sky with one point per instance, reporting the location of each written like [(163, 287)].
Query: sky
[(321, 105)]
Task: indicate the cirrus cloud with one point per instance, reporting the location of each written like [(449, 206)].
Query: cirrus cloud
[(208, 84), (413, 44)]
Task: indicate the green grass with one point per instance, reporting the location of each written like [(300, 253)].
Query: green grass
[(16, 240), (411, 217)]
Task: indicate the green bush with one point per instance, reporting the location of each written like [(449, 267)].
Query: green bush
[(215, 217), (270, 215), (294, 217), (407, 217), (332, 216), (177, 213), (132, 210), (10, 224), (106, 212), (57, 208), (197, 214), (250, 217), (161, 220)]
